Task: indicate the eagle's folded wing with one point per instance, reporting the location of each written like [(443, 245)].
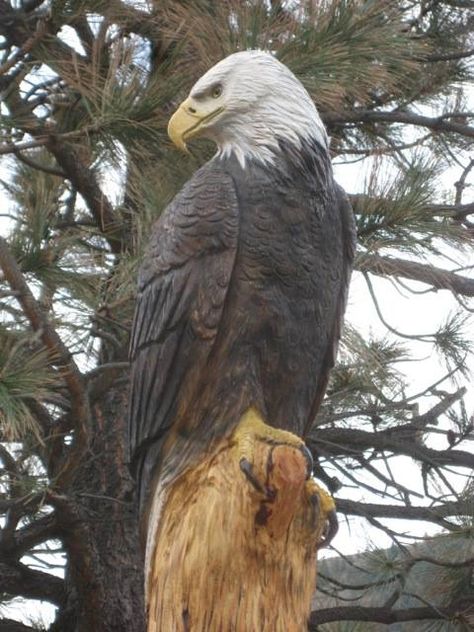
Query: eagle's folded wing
[(182, 288)]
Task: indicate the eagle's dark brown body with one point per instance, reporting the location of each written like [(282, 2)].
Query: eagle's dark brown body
[(241, 297)]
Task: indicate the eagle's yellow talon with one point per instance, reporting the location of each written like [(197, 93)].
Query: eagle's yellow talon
[(327, 507), (326, 501), (252, 429), (247, 469)]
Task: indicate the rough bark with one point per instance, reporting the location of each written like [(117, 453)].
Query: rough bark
[(100, 533), (230, 557)]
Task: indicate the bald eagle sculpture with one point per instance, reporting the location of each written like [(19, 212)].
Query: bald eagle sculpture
[(243, 287)]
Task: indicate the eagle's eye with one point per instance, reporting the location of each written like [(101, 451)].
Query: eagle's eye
[(216, 91)]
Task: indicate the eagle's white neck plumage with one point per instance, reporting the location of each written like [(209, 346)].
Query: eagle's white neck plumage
[(255, 135), (263, 102)]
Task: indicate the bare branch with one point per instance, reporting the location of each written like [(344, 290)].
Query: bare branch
[(25, 47), (431, 415), (10, 148), (18, 579), (35, 165), (403, 512), (460, 185), (438, 124), (462, 54), (469, 562), (460, 609), (438, 278), (31, 535), (401, 440), (458, 210)]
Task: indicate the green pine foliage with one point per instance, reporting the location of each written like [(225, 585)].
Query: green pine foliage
[(25, 376)]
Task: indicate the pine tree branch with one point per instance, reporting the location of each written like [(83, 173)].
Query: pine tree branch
[(379, 150), (42, 416), (84, 180), (39, 321), (10, 148), (18, 580), (457, 211), (30, 535), (17, 28), (469, 562), (438, 278), (82, 177), (9, 463), (25, 48), (449, 56), (28, 502), (5, 503), (84, 31), (132, 19), (401, 440), (431, 416), (459, 4), (405, 512), (439, 124), (36, 165), (60, 354), (459, 610)]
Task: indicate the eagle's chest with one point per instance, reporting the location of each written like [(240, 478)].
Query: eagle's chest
[(282, 279), (279, 243)]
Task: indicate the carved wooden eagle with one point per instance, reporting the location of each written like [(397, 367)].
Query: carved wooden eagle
[(242, 291)]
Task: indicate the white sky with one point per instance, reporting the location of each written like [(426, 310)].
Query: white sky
[(410, 314)]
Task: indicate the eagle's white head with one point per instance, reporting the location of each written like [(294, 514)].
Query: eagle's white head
[(246, 103)]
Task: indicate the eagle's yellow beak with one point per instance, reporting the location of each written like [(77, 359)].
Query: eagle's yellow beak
[(188, 121)]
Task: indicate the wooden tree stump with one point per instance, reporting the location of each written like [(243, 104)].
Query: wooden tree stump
[(231, 558)]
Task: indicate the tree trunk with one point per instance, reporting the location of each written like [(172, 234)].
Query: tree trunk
[(231, 557), (104, 574)]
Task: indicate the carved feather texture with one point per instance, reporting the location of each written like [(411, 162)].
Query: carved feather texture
[(241, 299)]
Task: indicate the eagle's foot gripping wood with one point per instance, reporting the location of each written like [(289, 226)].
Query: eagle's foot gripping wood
[(229, 556), (327, 507), (253, 429)]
